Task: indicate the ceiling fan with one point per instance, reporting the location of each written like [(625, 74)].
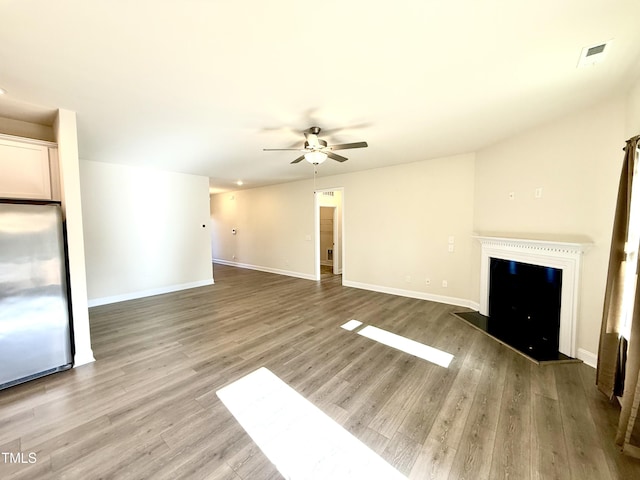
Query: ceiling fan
[(316, 150)]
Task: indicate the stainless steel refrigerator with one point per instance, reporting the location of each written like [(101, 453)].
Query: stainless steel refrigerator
[(35, 336)]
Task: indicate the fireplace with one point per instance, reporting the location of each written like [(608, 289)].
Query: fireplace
[(524, 307), (529, 290)]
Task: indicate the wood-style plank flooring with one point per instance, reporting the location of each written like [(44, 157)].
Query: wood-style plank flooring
[(147, 408)]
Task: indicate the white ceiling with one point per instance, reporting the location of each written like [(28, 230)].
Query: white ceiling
[(201, 86)]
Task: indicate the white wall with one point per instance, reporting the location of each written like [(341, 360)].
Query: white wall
[(397, 221), (576, 160), (144, 231)]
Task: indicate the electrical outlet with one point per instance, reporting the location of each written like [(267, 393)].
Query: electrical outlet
[(445, 284), (512, 195), (427, 281)]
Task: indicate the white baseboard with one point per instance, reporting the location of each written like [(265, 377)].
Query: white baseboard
[(83, 358), (147, 293), (588, 357), (460, 302), (277, 271)]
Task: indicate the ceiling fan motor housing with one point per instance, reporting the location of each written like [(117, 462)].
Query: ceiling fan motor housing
[(321, 144)]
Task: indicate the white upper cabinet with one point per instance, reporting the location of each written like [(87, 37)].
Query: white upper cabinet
[(28, 170)]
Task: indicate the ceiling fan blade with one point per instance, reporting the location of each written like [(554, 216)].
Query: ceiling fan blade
[(299, 159), (344, 146), (335, 156)]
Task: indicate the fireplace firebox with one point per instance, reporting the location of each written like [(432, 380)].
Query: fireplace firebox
[(524, 307)]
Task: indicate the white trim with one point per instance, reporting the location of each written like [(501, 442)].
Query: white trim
[(336, 255), (564, 255), (148, 293), (460, 302), (316, 218), (474, 306), (83, 358), (277, 271), (588, 357), (316, 236)]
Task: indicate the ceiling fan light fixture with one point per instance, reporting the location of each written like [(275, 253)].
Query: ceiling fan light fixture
[(315, 157)]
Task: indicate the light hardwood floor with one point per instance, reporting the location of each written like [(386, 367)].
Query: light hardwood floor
[(147, 408)]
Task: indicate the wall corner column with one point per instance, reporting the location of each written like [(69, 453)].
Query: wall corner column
[(65, 130)]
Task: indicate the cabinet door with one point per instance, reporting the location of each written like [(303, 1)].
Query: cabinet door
[(24, 170)]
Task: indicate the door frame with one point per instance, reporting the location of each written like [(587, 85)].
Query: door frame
[(341, 244), (334, 237)]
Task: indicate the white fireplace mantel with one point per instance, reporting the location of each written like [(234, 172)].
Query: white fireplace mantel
[(564, 253)]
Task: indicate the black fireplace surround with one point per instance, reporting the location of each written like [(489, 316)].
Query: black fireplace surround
[(524, 308)]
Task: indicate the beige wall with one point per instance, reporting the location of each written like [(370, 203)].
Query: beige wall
[(417, 207), (144, 231), (274, 228), (397, 224), (576, 161), (633, 111)]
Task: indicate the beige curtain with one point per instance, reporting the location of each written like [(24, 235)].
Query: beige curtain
[(619, 362)]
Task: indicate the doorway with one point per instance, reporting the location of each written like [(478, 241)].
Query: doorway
[(328, 261), (329, 233)]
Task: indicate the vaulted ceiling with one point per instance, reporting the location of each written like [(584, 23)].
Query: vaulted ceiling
[(201, 86)]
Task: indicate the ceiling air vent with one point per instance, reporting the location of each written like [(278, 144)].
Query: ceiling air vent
[(594, 54)]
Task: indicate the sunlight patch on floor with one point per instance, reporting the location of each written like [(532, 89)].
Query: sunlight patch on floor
[(296, 436), (351, 325), (407, 345)]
